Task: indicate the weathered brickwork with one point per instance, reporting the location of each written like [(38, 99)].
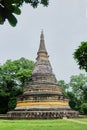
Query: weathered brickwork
[(42, 98)]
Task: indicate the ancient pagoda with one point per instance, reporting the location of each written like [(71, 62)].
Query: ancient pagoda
[(42, 98)]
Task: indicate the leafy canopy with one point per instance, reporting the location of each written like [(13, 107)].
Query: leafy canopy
[(80, 55), (78, 86), (64, 86), (76, 91), (14, 75), (8, 9)]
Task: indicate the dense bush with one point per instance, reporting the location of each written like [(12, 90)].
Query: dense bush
[(84, 108)]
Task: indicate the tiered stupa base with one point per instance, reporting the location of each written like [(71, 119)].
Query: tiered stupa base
[(56, 113), (41, 110)]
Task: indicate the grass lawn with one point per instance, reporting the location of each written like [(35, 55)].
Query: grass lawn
[(40, 125)]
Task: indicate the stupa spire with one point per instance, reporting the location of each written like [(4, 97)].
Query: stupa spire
[(42, 47)]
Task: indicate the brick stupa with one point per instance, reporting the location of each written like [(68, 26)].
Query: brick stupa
[(43, 98)]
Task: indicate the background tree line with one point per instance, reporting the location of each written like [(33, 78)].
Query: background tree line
[(76, 91)]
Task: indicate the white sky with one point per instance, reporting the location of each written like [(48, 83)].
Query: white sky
[(65, 25)]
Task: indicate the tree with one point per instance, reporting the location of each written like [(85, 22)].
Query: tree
[(84, 108), (14, 75), (77, 91), (64, 86), (11, 103), (80, 55), (8, 9), (4, 99)]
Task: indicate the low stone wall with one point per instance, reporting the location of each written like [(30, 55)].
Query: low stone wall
[(3, 116), (41, 115), (82, 116)]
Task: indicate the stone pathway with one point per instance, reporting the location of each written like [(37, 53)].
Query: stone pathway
[(76, 121)]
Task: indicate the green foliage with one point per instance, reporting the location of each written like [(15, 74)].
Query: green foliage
[(64, 86), (72, 100), (10, 7), (77, 91), (14, 75), (80, 55), (12, 103), (84, 108), (78, 85), (4, 98)]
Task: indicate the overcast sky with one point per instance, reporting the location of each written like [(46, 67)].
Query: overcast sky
[(65, 25)]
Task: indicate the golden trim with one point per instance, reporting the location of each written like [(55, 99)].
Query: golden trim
[(20, 104)]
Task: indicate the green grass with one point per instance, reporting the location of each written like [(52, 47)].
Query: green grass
[(40, 125)]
